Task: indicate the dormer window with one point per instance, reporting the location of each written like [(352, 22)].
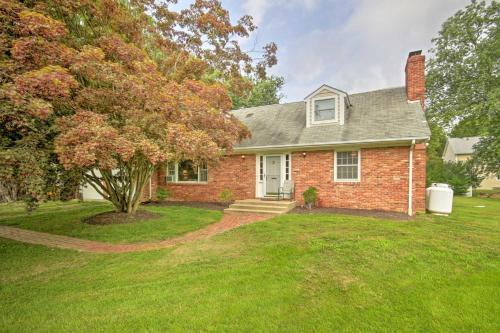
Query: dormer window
[(324, 109), (326, 106)]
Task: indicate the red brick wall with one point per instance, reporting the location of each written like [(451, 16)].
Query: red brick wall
[(415, 77), (383, 185), (419, 161), (233, 172)]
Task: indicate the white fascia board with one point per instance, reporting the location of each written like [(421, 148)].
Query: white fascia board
[(326, 145)]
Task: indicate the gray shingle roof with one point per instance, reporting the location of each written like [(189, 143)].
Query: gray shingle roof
[(463, 145), (375, 115)]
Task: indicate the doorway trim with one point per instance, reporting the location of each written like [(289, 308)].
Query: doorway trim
[(261, 167)]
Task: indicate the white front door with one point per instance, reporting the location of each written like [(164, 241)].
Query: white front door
[(273, 174)]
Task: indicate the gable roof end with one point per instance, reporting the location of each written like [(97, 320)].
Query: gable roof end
[(330, 88), (461, 146)]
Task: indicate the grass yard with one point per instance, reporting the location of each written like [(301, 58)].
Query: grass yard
[(65, 218), (293, 273)]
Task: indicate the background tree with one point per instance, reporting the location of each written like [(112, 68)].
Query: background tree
[(264, 92), (463, 85), (34, 89), (459, 175)]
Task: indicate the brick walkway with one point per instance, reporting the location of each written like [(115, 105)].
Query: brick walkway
[(229, 221)]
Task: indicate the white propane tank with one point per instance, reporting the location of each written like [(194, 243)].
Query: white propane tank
[(439, 198)]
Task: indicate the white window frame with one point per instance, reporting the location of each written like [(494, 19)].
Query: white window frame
[(289, 166), (313, 110), (335, 167), (177, 181)]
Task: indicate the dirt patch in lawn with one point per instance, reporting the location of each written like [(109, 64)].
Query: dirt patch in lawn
[(120, 218), (358, 212), (194, 204), (495, 195)]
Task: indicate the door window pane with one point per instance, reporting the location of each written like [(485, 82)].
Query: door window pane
[(261, 168), (287, 167)]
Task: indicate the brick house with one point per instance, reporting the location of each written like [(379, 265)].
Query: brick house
[(363, 151)]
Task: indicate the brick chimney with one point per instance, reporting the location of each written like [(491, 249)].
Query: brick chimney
[(415, 77)]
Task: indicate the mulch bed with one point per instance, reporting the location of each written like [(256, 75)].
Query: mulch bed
[(120, 218), (194, 204), (358, 212)]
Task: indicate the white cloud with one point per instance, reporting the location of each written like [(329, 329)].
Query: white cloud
[(307, 4), (259, 8), (365, 52)]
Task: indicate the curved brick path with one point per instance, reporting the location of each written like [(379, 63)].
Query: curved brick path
[(229, 221)]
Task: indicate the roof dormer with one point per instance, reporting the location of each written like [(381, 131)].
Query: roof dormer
[(325, 106)]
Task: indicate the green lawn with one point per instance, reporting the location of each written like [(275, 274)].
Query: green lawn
[(66, 219), (293, 273)]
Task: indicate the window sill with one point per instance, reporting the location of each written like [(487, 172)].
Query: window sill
[(323, 122), (347, 180), (187, 183)]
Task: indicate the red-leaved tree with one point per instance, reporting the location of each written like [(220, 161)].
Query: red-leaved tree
[(130, 117), (116, 87)]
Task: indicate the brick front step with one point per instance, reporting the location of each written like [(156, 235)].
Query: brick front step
[(261, 206)]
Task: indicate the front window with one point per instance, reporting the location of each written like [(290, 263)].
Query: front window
[(324, 109), (347, 166), (186, 171), (171, 172)]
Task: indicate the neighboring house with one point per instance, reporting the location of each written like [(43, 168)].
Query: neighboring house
[(89, 193), (363, 151), (461, 149)]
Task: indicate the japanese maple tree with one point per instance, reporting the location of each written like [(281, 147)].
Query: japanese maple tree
[(131, 117), (116, 87)]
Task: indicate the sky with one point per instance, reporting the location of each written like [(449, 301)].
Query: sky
[(352, 45)]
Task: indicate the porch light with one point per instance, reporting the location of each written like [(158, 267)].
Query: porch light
[(242, 157), (304, 154)]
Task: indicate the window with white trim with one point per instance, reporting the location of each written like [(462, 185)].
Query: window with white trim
[(324, 109), (347, 166), (171, 167), (186, 172)]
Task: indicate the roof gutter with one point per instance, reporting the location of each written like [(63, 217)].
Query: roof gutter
[(324, 145)]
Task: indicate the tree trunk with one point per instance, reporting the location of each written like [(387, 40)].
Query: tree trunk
[(124, 185), (8, 191)]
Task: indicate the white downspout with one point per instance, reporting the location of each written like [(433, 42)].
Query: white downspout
[(410, 179)]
